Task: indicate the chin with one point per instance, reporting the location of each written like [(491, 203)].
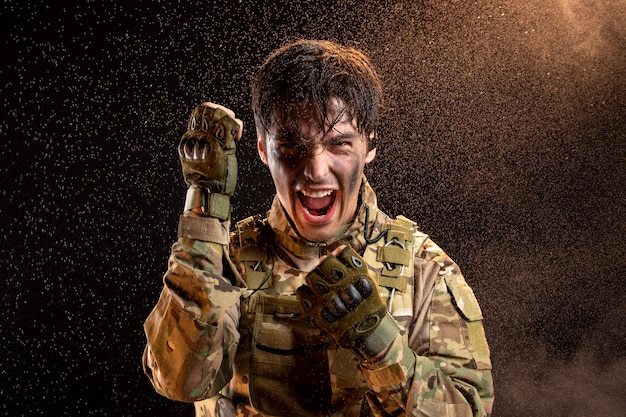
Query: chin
[(317, 234)]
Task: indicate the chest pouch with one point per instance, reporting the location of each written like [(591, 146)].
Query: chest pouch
[(289, 362), (391, 259), (249, 254)]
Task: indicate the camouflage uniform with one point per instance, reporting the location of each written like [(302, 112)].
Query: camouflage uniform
[(228, 323)]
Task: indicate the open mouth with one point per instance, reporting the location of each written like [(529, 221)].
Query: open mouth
[(317, 203)]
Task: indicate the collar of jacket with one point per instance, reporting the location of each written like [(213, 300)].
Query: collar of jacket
[(302, 250)]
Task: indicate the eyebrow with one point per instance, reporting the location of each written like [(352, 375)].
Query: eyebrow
[(344, 136), (337, 132), (288, 138)]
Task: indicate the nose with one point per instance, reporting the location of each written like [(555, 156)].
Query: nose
[(317, 164)]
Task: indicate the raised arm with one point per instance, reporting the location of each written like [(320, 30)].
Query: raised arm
[(192, 332)]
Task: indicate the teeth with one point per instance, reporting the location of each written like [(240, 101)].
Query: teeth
[(317, 194)]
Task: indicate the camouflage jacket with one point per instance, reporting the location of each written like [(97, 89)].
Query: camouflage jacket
[(228, 323)]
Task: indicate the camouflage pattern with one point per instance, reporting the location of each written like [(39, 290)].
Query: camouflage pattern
[(209, 333), (194, 324), (216, 406)]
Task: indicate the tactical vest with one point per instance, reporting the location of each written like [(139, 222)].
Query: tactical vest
[(284, 365)]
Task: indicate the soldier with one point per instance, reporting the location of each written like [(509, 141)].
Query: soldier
[(326, 306)]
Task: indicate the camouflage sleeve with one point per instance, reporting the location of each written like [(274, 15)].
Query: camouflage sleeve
[(445, 367), (192, 332)]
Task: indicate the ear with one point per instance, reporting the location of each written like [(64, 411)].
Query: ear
[(371, 154), (371, 146), (260, 144)]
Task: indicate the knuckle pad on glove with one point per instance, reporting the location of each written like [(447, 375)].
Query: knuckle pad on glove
[(327, 316), (207, 150), (338, 307), (351, 297), (364, 287)]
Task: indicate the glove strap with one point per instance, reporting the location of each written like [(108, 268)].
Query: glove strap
[(212, 204), (207, 229), (376, 342)]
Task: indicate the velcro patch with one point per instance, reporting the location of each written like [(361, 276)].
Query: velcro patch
[(464, 297)]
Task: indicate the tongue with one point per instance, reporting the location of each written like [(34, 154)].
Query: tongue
[(316, 203)]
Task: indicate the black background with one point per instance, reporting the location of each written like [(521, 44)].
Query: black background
[(504, 139)]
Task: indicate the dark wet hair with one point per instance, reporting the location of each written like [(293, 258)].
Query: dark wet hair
[(312, 72)]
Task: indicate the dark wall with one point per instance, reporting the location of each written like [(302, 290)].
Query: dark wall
[(504, 139)]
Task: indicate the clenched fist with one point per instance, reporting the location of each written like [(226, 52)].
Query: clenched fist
[(343, 299), (207, 155)]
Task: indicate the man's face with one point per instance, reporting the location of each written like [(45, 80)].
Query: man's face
[(317, 180)]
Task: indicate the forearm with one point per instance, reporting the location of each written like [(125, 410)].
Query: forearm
[(445, 344), (187, 360), (416, 385), (192, 331), (198, 281)]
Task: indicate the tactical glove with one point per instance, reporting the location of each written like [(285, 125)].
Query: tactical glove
[(343, 299), (207, 155)]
